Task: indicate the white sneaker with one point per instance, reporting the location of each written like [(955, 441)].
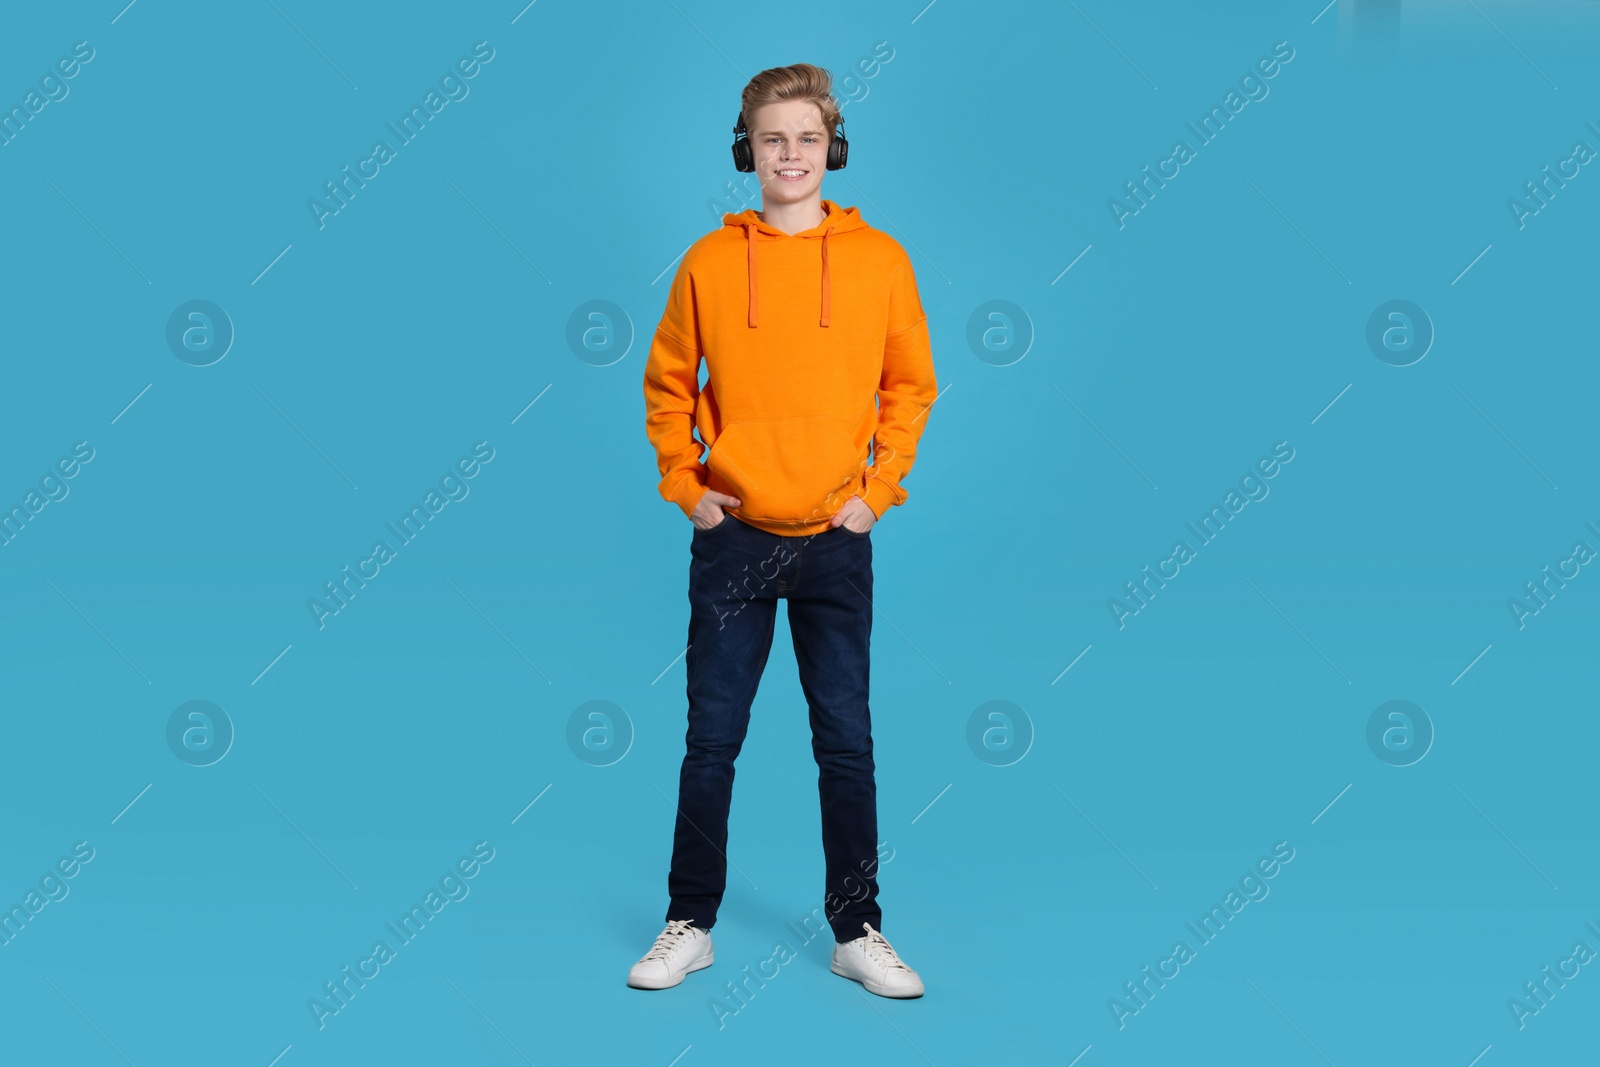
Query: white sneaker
[(871, 961), (681, 948)]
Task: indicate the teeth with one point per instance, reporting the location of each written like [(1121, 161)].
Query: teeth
[(791, 173)]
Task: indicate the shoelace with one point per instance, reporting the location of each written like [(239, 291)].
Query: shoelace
[(880, 949), (673, 936)]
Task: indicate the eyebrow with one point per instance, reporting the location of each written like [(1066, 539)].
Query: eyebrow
[(779, 133)]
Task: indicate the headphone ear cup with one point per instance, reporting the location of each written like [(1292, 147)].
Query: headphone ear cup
[(744, 158), (838, 152)]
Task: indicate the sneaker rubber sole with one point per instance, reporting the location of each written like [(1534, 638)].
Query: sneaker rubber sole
[(668, 983), (877, 987)]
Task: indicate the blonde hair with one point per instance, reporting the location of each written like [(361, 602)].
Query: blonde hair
[(799, 81)]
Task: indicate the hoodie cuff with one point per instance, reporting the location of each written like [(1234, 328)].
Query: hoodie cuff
[(878, 496), (687, 493)]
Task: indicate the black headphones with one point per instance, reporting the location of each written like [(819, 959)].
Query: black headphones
[(744, 154)]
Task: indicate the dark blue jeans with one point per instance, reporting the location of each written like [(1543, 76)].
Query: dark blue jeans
[(737, 574)]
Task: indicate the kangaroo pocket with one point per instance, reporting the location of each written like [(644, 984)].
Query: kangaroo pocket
[(790, 469)]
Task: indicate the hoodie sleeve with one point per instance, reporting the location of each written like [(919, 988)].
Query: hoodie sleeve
[(671, 387), (906, 390)]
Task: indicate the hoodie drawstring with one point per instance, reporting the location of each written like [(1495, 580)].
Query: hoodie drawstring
[(827, 286), (750, 243), (755, 302)]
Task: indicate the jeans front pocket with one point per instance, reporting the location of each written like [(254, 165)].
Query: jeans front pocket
[(726, 518)]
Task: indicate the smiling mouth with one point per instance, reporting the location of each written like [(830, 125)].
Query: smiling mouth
[(790, 174)]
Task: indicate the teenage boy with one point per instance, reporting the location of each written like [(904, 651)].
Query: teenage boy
[(799, 385)]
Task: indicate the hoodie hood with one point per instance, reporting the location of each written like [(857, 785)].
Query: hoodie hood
[(838, 220)]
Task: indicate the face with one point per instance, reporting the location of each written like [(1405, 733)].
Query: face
[(790, 147)]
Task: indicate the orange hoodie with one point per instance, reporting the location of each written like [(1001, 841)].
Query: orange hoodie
[(798, 384)]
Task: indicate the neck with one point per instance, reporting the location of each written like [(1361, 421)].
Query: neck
[(794, 218)]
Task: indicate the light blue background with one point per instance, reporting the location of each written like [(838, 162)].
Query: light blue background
[(1226, 716)]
